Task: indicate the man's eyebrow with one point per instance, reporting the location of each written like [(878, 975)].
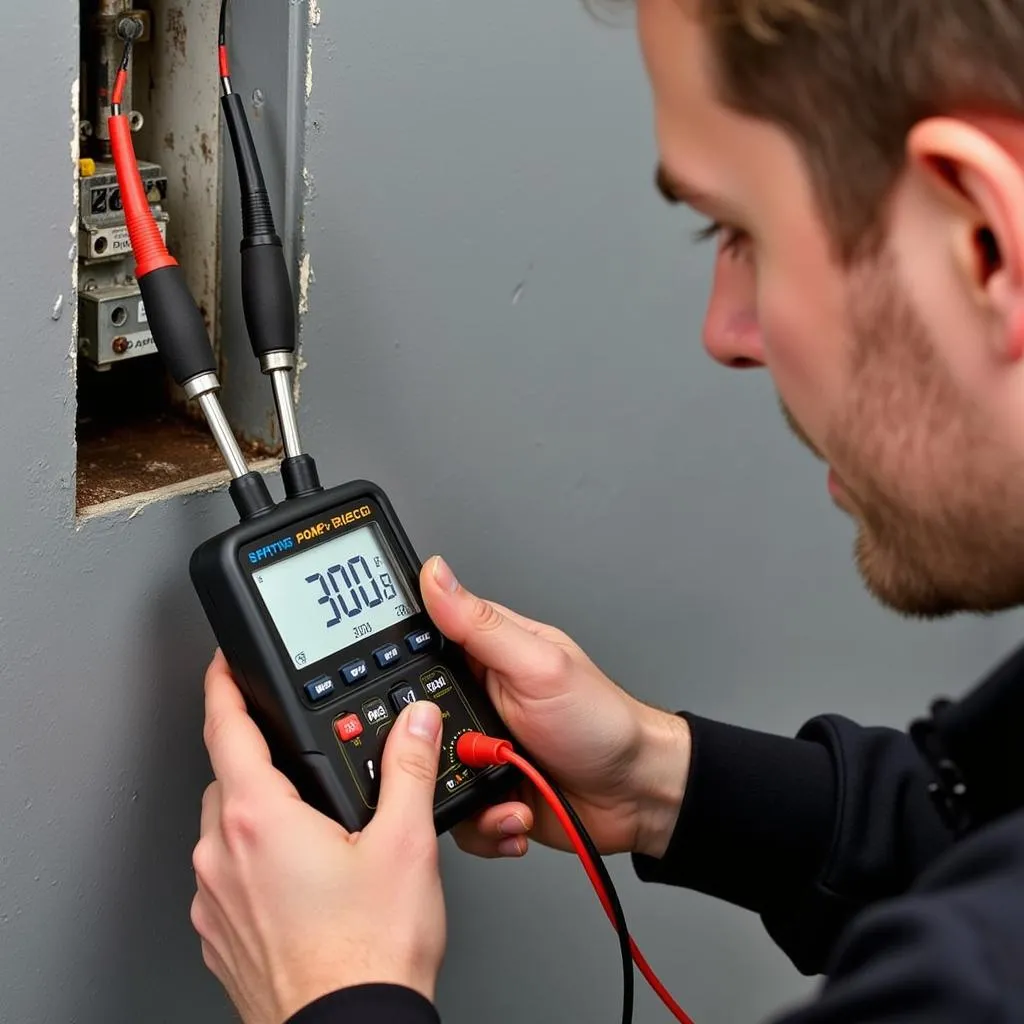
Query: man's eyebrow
[(671, 188)]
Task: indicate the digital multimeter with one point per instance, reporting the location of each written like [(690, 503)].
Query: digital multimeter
[(317, 607)]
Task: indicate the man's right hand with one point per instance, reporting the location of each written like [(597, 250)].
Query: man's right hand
[(621, 763)]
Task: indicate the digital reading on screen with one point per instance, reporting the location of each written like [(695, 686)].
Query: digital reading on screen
[(328, 597)]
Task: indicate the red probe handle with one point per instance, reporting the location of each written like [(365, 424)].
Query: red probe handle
[(475, 750), (147, 242)]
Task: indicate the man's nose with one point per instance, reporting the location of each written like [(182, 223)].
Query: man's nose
[(732, 335)]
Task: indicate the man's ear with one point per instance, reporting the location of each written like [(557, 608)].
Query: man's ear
[(973, 172)]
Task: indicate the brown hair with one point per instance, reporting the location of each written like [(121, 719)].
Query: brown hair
[(848, 79)]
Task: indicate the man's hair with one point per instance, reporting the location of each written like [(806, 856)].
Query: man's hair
[(848, 79)]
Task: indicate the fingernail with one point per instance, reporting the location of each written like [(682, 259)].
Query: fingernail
[(425, 720), (444, 577), (513, 825), (514, 847)]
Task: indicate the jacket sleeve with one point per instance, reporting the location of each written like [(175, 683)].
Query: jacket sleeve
[(947, 952), (805, 831), (369, 1004)]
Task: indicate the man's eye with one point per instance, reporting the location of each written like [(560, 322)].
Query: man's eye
[(732, 240)]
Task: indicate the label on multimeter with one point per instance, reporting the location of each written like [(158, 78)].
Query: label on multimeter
[(318, 609)]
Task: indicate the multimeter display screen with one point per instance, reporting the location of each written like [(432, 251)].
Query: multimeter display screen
[(329, 597)]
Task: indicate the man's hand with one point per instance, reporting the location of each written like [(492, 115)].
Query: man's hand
[(289, 905), (622, 764)]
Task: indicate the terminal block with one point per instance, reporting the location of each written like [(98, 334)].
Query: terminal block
[(112, 323)]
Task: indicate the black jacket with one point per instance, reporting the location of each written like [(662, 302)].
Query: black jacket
[(892, 863)]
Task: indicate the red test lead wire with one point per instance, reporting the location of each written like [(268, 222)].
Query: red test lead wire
[(119, 86), (475, 750)]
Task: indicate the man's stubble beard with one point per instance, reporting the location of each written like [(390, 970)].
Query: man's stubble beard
[(937, 500)]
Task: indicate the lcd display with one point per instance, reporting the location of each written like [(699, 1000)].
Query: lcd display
[(329, 597)]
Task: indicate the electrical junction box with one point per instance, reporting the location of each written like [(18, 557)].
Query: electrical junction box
[(137, 438)]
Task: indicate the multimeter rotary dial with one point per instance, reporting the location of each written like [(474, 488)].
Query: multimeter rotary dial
[(452, 759)]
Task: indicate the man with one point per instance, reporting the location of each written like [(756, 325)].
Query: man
[(863, 163)]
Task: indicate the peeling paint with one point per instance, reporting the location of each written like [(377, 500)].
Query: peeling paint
[(306, 278), (308, 185), (58, 308), (314, 21)]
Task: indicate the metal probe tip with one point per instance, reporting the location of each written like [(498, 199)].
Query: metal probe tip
[(278, 365), (203, 389)]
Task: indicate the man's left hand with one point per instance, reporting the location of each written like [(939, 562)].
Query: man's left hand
[(290, 906)]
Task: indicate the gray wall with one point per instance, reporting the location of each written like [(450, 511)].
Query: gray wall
[(504, 333)]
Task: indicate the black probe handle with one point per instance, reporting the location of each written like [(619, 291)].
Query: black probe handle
[(177, 325), (267, 299)]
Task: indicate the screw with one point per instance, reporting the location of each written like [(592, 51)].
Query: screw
[(130, 29), (120, 345), (136, 121)]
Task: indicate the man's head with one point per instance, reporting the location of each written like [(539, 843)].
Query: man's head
[(862, 161)]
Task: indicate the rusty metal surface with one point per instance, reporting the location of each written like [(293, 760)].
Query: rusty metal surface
[(117, 460)]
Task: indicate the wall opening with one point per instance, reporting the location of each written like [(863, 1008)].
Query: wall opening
[(135, 433)]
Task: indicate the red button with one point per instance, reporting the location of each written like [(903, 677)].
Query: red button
[(348, 728)]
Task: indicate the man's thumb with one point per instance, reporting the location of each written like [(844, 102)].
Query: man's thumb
[(409, 769), (478, 626)]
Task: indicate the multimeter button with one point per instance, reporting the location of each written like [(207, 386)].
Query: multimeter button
[(436, 683), (420, 641), (348, 728), (353, 672), (385, 656), (376, 711), (320, 689), (402, 696)]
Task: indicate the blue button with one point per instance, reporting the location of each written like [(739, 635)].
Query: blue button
[(385, 656), (420, 641), (353, 672), (320, 689)]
